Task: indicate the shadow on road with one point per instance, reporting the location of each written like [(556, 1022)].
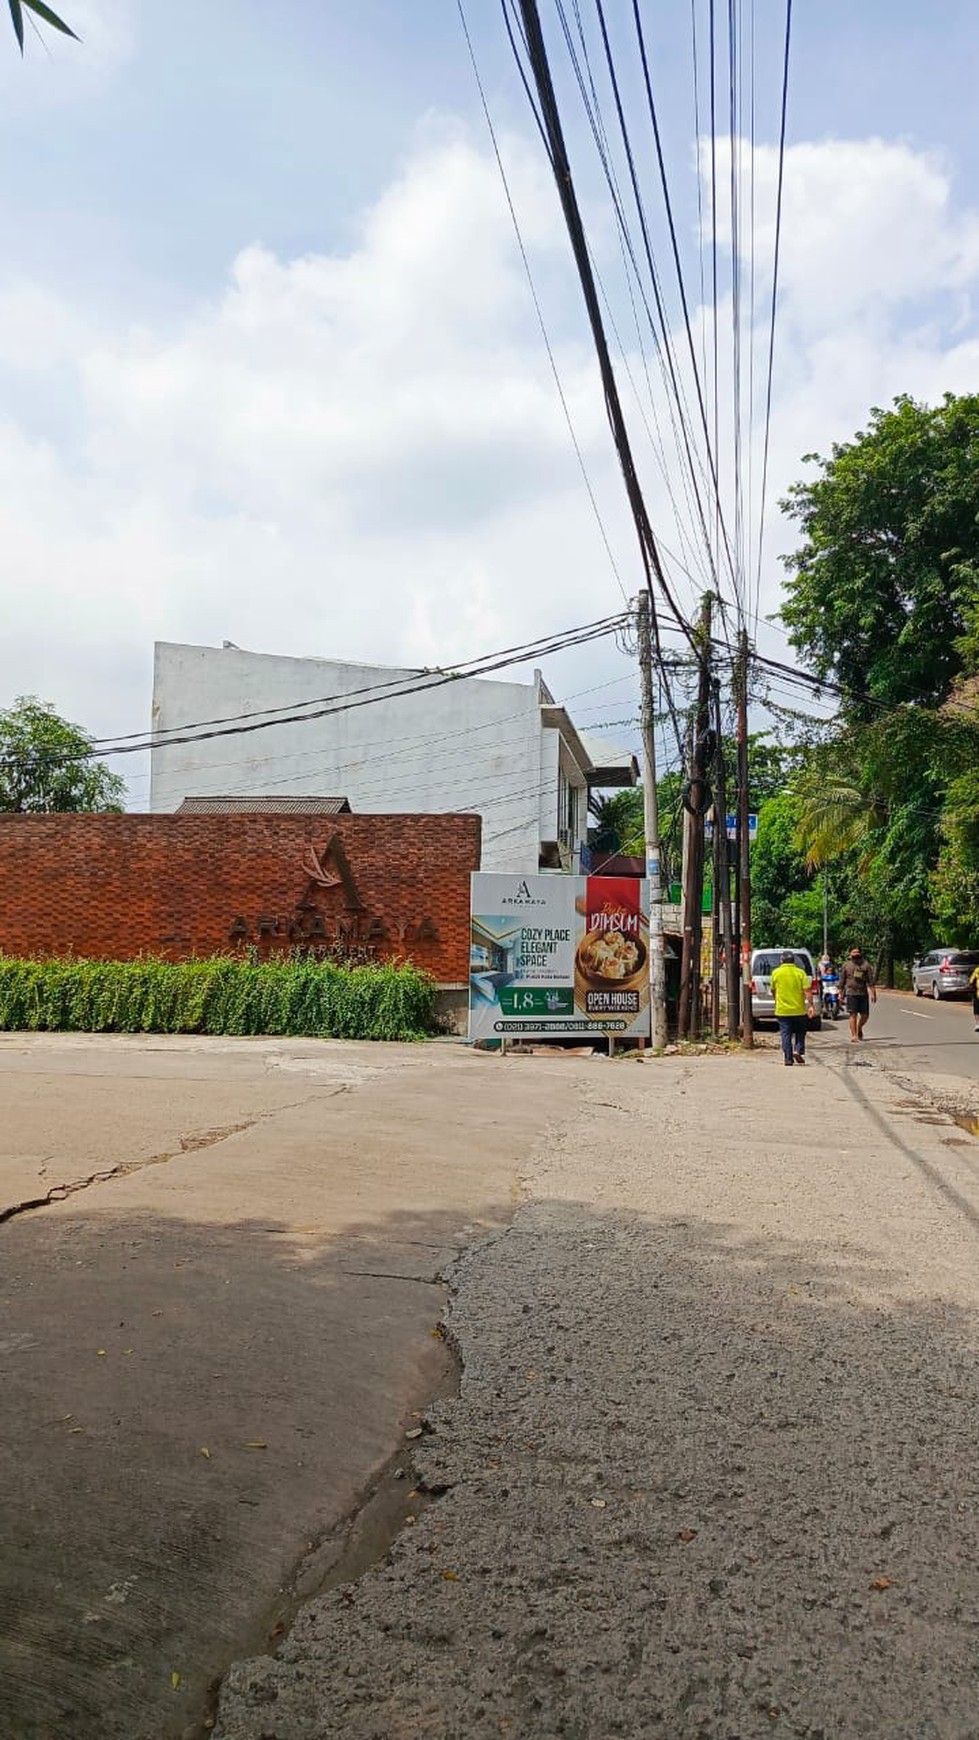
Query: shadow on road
[(186, 1409), (701, 1484)]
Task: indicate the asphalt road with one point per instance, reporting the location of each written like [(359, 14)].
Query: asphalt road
[(916, 1036)]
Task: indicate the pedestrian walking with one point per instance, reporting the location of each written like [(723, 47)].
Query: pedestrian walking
[(793, 1006), (858, 988), (974, 982)]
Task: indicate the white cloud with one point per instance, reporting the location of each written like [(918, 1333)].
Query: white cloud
[(361, 454), (396, 383), (878, 274)]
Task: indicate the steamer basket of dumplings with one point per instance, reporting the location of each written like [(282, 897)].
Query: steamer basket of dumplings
[(611, 960)]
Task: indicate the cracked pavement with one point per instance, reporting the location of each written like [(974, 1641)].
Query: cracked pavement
[(220, 1272), (712, 1471)]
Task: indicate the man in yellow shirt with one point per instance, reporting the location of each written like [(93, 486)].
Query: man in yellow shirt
[(793, 1006)]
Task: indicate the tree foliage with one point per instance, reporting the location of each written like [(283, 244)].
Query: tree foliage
[(779, 873), (955, 878), (883, 598), (46, 763), (619, 821), (38, 9), (833, 815), (882, 593)]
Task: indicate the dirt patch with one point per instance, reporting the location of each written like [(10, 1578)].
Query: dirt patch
[(957, 1099)]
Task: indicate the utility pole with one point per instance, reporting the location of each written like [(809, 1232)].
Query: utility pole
[(693, 874), (744, 843), (723, 925), (719, 844), (657, 962)]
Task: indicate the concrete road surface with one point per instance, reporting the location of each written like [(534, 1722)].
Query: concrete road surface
[(213, 1336), (713, 1473)]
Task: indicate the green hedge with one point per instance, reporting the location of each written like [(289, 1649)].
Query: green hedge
[(221, 995)]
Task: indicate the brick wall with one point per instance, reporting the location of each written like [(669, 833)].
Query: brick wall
[(183, 885)]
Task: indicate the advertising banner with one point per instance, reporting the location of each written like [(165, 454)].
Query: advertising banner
[(558, 955)]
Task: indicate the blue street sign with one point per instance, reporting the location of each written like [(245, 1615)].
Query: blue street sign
[(732, 827)]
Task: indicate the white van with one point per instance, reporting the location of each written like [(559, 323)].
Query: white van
[(763, 964)]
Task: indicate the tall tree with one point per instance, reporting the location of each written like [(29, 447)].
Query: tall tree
[(780, 876), (883, 591), (955, 880), (46, 763)]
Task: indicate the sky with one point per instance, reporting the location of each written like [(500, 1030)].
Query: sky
[(270, 367)]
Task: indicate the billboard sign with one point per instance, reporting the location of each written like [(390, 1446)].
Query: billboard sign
[(553, 956)]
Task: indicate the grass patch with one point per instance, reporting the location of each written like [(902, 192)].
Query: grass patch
[(219, 995)]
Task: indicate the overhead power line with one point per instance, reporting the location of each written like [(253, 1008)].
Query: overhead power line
[(235, 725), (662, 343), (678, 265), (771, 324), (520, 654), (561, 167), (536, 299)]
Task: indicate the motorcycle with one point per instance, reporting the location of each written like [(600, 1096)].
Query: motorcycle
[(831, 998)]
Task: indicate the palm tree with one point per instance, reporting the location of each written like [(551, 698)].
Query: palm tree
[(40, 10), (834, 816)]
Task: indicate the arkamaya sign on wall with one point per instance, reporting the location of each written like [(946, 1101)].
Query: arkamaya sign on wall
[(329, 871), (555, 955)]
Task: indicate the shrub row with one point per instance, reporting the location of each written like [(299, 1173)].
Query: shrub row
[(220, 995)]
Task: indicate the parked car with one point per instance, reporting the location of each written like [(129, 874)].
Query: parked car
[(944, 973), (763, 964)]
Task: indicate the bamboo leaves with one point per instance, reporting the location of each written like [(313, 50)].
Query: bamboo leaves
[(40, 10)]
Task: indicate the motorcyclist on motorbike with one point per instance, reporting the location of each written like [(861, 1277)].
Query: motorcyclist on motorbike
[(829, 979)]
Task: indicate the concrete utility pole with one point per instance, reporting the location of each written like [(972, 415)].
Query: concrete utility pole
[(723, 925), (693, 875), (657, 962), (744, 842), (719, 848)]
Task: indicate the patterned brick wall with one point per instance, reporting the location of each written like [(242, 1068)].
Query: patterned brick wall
[(184, 885)]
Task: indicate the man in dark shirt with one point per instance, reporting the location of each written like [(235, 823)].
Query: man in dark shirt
[(858, 989)]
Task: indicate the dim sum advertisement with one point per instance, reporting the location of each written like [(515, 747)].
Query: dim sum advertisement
[(556, 955)]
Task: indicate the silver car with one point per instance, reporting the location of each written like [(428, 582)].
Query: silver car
[(944, 973), (763, 964)]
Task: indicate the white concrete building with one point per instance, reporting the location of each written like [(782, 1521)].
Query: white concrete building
[(389, 740)]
